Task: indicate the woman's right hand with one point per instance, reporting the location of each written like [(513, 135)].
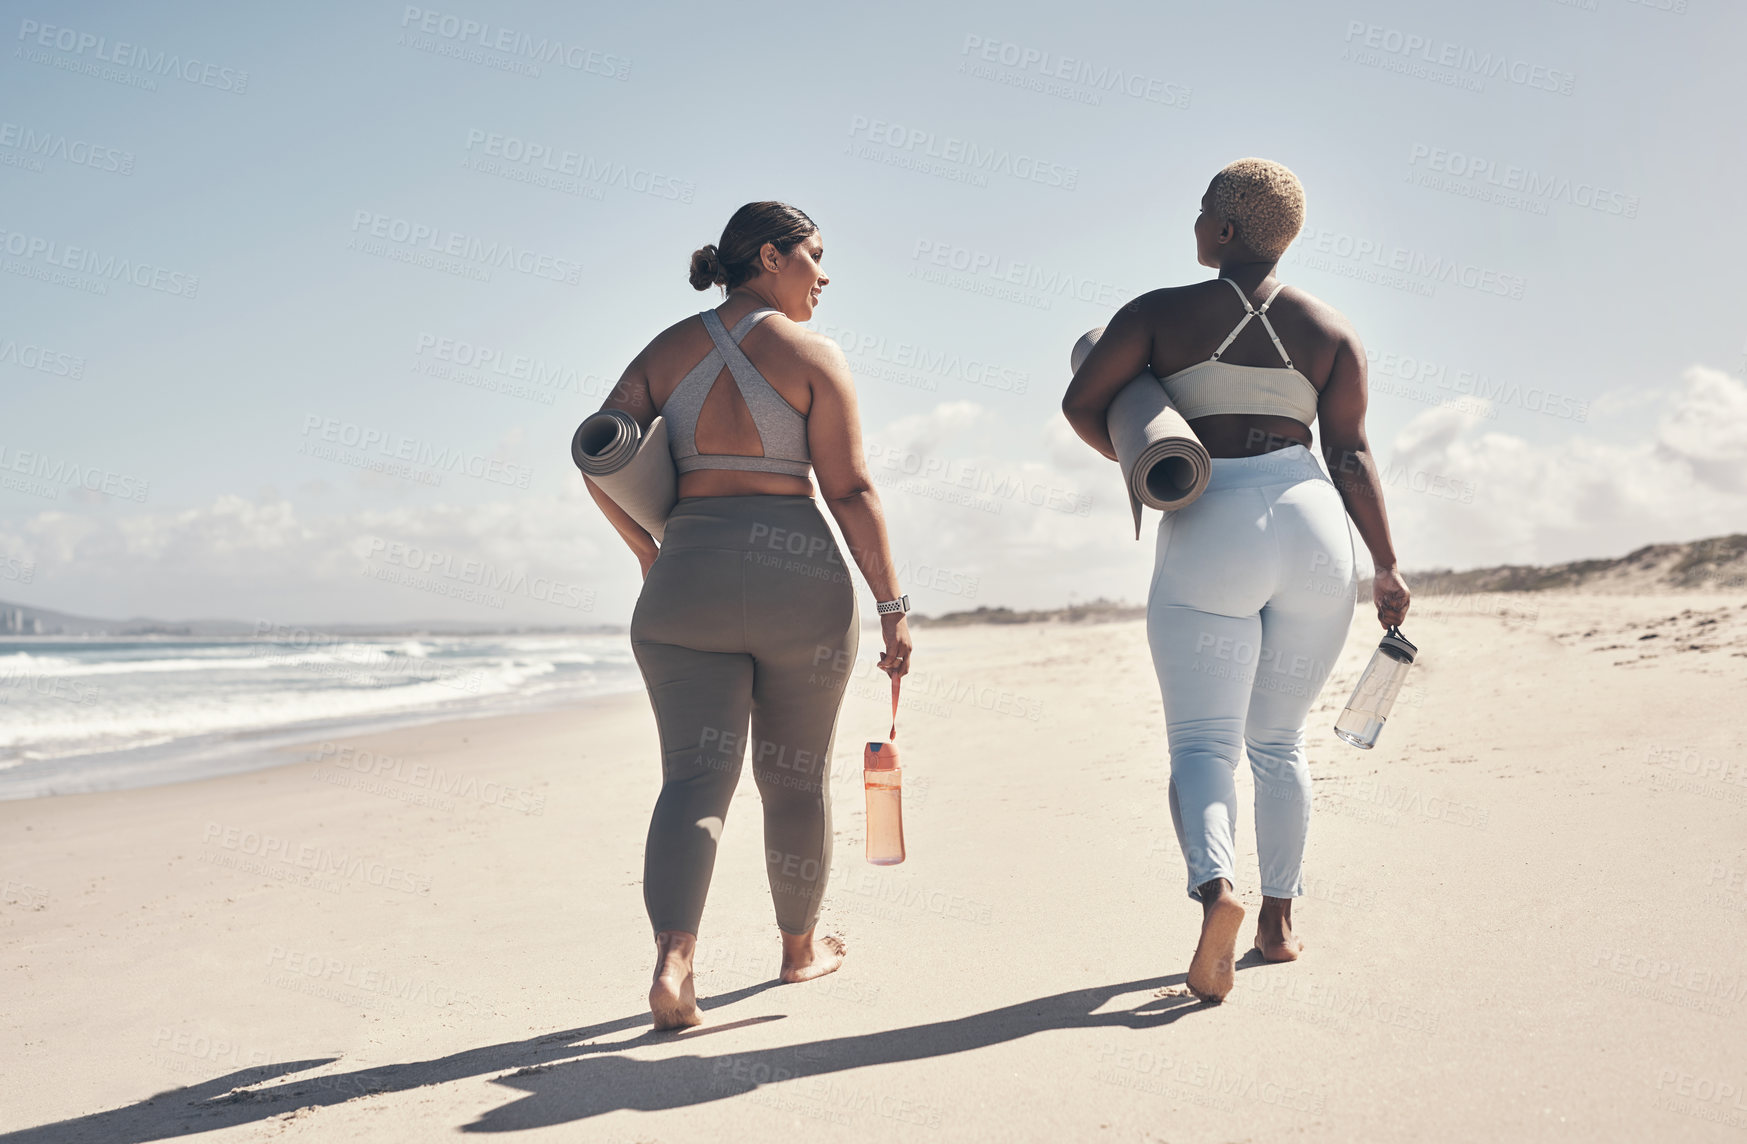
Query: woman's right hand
[(647, 559), (1390, 593), (896, 660)]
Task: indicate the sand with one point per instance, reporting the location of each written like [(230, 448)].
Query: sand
[(1525, 919)]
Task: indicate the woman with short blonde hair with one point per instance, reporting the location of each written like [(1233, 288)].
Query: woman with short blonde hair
[(1253, 582)]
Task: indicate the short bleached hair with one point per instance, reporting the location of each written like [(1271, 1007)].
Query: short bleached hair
[(1265, 202)]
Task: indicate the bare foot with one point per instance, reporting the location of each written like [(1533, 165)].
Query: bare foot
[(1211, 971), (1274, 937), (673, 999), (806, 957)]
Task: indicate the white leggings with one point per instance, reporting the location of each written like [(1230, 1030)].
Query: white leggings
[(1252, 595)]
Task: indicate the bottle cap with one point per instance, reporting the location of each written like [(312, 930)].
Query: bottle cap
[(1396, 646), (880, 757)]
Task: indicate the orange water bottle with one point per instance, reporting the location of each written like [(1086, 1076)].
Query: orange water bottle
[(884, 780)]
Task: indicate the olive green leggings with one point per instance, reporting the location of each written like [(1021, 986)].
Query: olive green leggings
[(747, 613)]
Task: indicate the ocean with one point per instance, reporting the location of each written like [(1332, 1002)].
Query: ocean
[(103, 714)]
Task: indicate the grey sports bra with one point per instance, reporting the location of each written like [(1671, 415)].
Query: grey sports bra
[(781, 428), (1214, 386)]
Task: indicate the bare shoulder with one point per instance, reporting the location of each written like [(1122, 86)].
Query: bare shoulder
[(677, 338), (1154, 302), (1330, 321), (803, 347)]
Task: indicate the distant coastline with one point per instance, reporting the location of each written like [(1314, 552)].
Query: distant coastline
[(1715, 564)]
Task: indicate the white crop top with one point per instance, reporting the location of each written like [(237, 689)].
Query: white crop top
[(1214, 386)]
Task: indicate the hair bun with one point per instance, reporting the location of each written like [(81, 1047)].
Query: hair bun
[(706, 268)]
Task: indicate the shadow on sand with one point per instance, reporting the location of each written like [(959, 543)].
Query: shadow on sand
[(566, 1078)]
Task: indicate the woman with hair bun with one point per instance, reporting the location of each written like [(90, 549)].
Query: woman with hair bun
[(1253, 583), (747, 611)]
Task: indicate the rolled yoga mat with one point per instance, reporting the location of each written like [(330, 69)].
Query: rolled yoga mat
[(630, 465), (1163, 463)]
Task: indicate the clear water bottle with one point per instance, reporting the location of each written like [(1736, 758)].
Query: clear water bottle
[(1381, 682), (883, 779)]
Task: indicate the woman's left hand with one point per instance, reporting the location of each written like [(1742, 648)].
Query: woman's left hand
[(896, 630), (1390, 593)]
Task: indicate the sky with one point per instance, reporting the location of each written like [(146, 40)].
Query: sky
[(302, 304)]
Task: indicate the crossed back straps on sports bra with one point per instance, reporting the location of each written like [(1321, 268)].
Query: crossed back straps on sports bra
[(781, 428), (1213, 386)]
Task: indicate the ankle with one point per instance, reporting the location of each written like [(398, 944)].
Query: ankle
[(674, 949), (797, 946), (1214, 891)]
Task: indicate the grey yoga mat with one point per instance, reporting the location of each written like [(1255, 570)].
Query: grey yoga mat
[(1163, 464), (633, 466)]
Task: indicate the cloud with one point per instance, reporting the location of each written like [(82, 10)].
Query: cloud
[(979, 511), (1708, 429), (1493, 498), (266, 558)]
